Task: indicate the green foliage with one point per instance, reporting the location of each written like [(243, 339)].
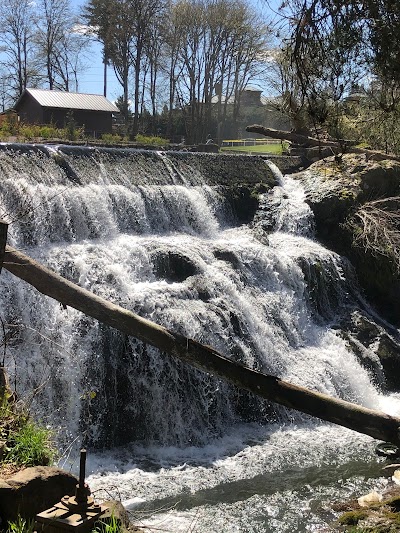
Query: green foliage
[(26, 443), (108, 525), (152, 140), (30, 445), (48, 132), (71, 131), (21, 525), (351, 518), (112, 138), (8, 126), (29, 132), (5, 130)]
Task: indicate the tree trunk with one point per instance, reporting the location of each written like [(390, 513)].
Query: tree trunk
[(309, 142), (374, 423)]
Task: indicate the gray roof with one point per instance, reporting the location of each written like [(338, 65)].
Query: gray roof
[(61, 99)]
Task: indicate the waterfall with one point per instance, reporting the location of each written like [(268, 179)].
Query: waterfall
[(153, 232)]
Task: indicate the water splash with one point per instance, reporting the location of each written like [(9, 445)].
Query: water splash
[(152, 237)]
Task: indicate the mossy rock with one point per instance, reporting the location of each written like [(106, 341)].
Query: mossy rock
[(335, 190), (351, 518)]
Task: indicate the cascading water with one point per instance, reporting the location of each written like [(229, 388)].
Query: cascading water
[(148, 231)]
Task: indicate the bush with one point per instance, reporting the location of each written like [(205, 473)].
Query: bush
[(152, 140), (28, 131), (111, 138), (48, 132), (108, 525)]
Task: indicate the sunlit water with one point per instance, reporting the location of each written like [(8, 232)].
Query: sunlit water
[(193, 453)]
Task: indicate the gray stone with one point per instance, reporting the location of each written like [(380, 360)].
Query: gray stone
[(335, 188)]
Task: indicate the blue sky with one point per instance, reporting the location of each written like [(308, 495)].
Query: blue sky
[(91, 80)]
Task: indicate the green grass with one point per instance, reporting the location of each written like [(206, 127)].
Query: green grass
[(24, 442), (30, 445), (21, 525), (110, 524), (257, 149)]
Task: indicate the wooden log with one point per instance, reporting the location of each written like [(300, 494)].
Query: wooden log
[(364, 420), (291, 136), (310, 142), (3, 240)]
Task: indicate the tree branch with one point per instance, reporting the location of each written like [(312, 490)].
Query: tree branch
[(310, 142)]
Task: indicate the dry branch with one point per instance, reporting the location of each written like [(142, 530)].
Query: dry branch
[(376, 228), (370, 422)]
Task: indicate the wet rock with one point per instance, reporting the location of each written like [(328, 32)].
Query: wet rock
[(210, 148), (375, 348), (389, 355), (335, 190), (244, 202), (173, 267), (229, 257)]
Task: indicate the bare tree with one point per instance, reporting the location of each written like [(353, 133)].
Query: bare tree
[(223, 43), (70, 59), (154, 59), (17, 43), (60, 44)]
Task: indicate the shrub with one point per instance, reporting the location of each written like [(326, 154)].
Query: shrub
[(28, 131), (48, 132), (152, 140), (111, 138)]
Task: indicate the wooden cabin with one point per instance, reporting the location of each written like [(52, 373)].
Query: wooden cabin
[(93, 112)]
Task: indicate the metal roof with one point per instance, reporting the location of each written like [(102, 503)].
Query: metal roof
[(61, 99)]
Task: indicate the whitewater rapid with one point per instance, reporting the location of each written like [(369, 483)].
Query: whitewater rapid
[(185, 451)]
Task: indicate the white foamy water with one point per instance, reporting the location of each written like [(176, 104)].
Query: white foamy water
[(186, 452)]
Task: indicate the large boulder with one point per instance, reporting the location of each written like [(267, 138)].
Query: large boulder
[(376, 349), (33, 490), (335, 190)]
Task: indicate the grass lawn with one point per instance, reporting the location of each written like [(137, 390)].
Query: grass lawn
[(257, 149)]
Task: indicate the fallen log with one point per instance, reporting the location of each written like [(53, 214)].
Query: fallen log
[(311, 142), (364, 420)]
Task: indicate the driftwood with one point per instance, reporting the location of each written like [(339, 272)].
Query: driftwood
[(306, 141), (370, 422)]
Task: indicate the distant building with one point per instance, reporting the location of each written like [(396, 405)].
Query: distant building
[(254, 109), (91, 111)]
